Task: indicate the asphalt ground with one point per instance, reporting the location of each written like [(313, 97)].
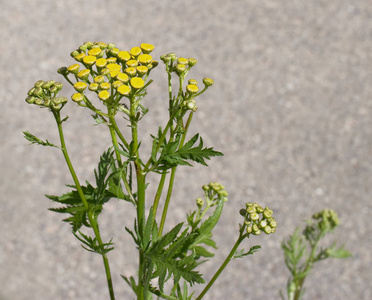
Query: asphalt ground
[(290, 109)]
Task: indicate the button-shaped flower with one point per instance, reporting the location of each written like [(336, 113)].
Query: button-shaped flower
[(137, 82)]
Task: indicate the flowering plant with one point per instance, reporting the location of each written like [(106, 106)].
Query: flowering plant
[(167, 262)]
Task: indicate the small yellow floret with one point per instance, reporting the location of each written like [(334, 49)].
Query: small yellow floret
[(80, 56), (89, 59), (105, 86), (111, 60), (74, 68), (137, 82), (117, 83), (95, 51), (122, 77), (145, 58), (124, 90), (83, 74), (103, 95), (147, 48), (183, 61), (80, 86), (99, 79), (101, 62), (77, 97), (113, 67), (93, 87), (124, 55), (192, 88), (142, 70), (131, 71), (132, 63), (135, 51)]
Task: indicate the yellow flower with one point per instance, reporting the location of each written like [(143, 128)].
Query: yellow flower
[(122, 77), (74, 68), (89, 60), (137, 82), (83, 74), (80, 86), (101, 62), (114, 51), (99, 79), (93, 87), (105, 86), (117, 83), (147, 48), (124, 56), (192, 62), (132, 63), (77, 97), (113, 67), (95, 51), (208, 81), (192, 88), (131, 71), (145, 59), (111, 60), (135, 51), (80, 56), (192, 81), (142, 70), (183, 61), (103, 95), (124, 90)]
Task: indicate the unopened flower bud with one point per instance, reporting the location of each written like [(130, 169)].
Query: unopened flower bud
[(135, 51), (192, 62), (74, 69), (183, 61), (105, 86), (77, 97), (254, 216), (146, 48), (80, 86), (192, 88), (199, 202), (142, 70), (93, 87), (103, 95), (63, 71), (47, 84), (83, 74), (208, 81)]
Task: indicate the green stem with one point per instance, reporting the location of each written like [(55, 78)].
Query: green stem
[(158, 193), (91, 218), (167, 200), (224, 264)]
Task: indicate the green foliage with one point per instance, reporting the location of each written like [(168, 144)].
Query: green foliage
[(35, 140), (301, 251)]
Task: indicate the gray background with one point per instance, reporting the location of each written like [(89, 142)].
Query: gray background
[(291, 109)]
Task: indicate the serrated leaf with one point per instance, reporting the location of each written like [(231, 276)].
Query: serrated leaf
[(35, 140)]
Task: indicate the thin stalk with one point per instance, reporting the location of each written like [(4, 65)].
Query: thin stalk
[(158, 193), (91, 218), (224, 264), (167, 200)]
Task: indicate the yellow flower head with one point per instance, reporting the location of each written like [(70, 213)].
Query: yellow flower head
[(117, 83), (101, 62), (114, 51), (137, 82), (122, 77), (80, 86), (77, 97), (74, 69), (145, 59), (80, 56), (103, 95), (89, 60), (142, 70), (131, 71), (124, 90), (183, 61), (192, 88), (99, 79), (105, 86), (111, 60), (93, 87), (192, 81), (113, 67), (132, 63), (124, 56), (95, 51), (147, 48), (208, 81), (135, 51), (83, 74)]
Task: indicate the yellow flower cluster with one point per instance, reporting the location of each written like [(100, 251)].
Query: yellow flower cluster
[(44, 94), (109, 71)]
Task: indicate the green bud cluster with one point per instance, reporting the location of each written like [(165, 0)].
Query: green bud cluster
[(108, 71), (44, 94), (181, 66), (213, 192), (327, 219), (257, 219)]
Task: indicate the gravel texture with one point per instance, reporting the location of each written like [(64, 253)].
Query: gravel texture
[(291, 110)]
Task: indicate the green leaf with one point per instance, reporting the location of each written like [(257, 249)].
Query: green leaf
[(171, 157), (338, 253), (35, 140), (241, 253)]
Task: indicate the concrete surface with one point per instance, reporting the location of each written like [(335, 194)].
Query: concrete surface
[(291, 109)]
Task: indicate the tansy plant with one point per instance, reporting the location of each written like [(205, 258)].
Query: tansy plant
[(167, 261)]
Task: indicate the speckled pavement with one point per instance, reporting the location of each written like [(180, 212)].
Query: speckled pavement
[(290, 109)]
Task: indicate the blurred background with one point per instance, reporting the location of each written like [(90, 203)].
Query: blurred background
[(290, 109)]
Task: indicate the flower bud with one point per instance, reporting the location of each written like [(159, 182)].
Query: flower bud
[(89, 60), (208, 81), (74, 69), (105, 86), (117, 83), (267, 213), (30, 99), (135, 51), (99, 79), (124, 56), (192, 81), (39, 83), (111, 60), (254, 216), (80, 86), (93, 87), (74, 53), (142, 70), (77, 97), (80, 57), (183, 61), (145, 59), (122, 77), (192, 62), (131, 71), (267, 229), (180, 69), (192, 88), (242, 212), (114, 51), (205, 187), (132, 63), (94, 52), (83, 74), (38, 92), (63, 71), (199, 202), (191, 105), (47, 84)]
